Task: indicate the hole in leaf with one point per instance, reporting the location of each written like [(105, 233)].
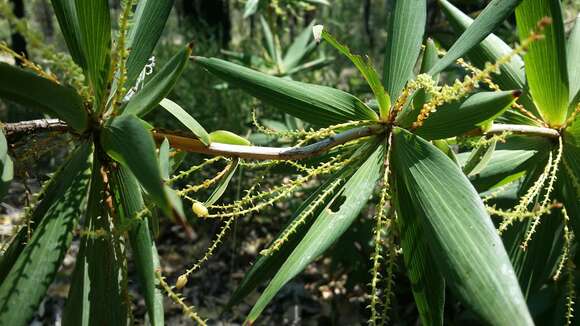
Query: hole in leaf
[(337, 203)]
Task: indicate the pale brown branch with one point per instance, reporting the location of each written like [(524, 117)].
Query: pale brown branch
[(34, 126), (267, 153)]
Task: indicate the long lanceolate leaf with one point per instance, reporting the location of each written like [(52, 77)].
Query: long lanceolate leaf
[(86, 26), (28, 279), (492, 48), (146, 28), (405, 35), (95, 296), (462, 238), (368, 71), (129, 202), (493, 15), (298, 49), (316, 104), (573, 58), (427, 283), (327, 228), (74, 168), (39, 93), (546, 68), (159, 86), (186, 119), (127, 141)]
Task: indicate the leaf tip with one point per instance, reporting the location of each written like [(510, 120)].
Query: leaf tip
[(517, 93)]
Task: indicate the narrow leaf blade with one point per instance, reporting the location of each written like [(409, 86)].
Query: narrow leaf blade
[(493, 15), (327, 228), (546, 69), (319, 105), (462, 238), (405, 36), (26, 283), (186, 119), (147, 25)]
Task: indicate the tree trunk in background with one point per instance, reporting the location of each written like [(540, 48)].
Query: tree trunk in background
[(18, 41), (211, 16)]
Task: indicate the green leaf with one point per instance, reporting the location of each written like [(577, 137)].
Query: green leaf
[(126, 140), (74, 168), (159, 86), (37, 92), (479, 158), (6, 166), (405, 36), (269, 40), (490, 18), (27, 281), (68, 19), (327, 228), (299, 49), (146, 28), (94, 22), (459, 117), (226, 137), (462, 238), (186, 119), (129, 202), (570, 174), (95, 296), (223, 184), (368, 71), (251, 7), (427, 283), (573, 57), (546, 68), (491, 49), (319, 105), (86, 26)]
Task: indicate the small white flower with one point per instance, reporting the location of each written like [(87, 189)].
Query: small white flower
[(317, 32)]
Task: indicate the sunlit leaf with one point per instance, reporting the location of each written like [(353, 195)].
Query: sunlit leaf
[(365, 67), (405, 36), (227, 137), (546, 68), (186, 119), (573, 58)]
